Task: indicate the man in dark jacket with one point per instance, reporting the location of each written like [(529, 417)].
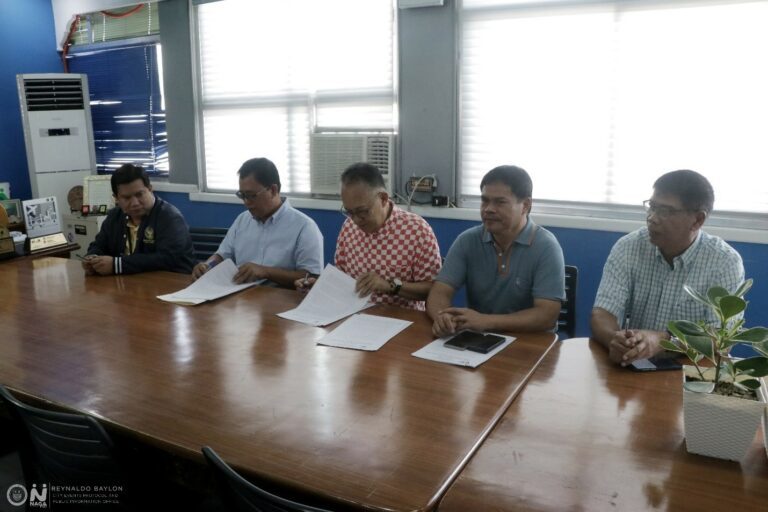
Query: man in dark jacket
[(143, 233)]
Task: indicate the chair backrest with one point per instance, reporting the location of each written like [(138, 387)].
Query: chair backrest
[(242, 496), (205, 241), (566, 323), (66, 447)]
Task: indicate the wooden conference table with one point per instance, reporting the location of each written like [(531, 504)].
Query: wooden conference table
[(381, 430), (585, 435)]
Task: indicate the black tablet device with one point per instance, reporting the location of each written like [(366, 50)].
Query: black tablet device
[(474, 341), (655, 365)]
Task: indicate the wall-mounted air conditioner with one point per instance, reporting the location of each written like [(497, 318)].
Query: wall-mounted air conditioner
[(331, 153), (58, 133)]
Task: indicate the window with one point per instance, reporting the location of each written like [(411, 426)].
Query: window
[(597, 100), (127, 106), (274, 71), (118, 50)]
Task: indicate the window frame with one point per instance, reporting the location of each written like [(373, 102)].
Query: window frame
[(743, 226), (310, 101)]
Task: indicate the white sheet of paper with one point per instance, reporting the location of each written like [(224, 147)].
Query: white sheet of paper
[(214, 284), (331, 298), (364, 332), (435, 351)]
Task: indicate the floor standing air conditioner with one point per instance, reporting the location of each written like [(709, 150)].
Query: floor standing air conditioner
[(58, 133), (331, 153)]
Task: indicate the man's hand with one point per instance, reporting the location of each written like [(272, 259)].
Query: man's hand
[(102, 265), (443, 325), (304, 284), (465, 318), (630, 345), (200, 269), (371, 282), (449, 320), (249, 272), (87, 264)]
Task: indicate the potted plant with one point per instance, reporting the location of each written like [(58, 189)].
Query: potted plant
[(724, 400)]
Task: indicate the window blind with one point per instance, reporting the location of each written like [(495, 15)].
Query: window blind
[(273, 71), (596, 100), (127, 106)]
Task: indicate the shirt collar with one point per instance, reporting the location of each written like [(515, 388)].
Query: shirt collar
[(389, 224), (525, 237), (686, 258), (275, 217)]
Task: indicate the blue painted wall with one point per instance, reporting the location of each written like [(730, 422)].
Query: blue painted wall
[(28, 46), (584, 248)]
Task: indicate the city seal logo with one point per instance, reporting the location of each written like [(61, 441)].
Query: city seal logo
[(149, 235), (17, 495)]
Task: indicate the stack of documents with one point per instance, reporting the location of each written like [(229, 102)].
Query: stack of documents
[(214, 284), (364, 332), (332, 298), (436, 351)]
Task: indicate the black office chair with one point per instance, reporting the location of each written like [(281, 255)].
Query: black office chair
[(242, 496), (64, 448), (205, 241), (566, 323)]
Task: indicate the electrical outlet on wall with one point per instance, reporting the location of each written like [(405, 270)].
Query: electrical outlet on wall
[(422, 184)]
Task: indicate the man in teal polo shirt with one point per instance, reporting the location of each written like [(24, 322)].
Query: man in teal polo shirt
[(513, 269)]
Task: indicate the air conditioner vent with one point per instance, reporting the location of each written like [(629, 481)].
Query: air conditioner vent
[(53, 94), (331, 153)]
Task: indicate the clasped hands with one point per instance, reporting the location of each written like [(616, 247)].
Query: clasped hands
[(632, 344), (450, 320), (102, 265)]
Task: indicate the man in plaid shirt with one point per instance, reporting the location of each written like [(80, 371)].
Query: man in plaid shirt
[(643, 278), (392, 254)]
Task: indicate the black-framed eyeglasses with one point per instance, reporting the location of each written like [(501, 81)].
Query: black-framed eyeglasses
[(249, 196), (663, 211), (360, 213)]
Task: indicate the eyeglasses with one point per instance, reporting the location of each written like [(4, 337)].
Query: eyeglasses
[(360, 213), (662, 211), (249, 196)]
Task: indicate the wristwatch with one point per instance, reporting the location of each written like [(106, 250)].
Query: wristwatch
[(395, 285)]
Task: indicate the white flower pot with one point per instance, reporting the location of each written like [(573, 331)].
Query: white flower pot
[(764, 388), (720, 426)]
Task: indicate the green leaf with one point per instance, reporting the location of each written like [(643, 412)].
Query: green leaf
[(696, 295), (762, 348), (753, 335), (752, 384), (672, 346), (686, 327), (731, 306), (754, 366), (716, 293), (743, 288), (702, 345), (698, 386)]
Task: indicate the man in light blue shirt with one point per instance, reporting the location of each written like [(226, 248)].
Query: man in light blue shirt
[(513, 269), (645, 272), (271, 242)]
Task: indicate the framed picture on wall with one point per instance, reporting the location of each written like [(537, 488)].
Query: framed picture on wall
[(13, 208)]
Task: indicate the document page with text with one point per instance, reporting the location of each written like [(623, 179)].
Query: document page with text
[(214, 284), (332, 298)]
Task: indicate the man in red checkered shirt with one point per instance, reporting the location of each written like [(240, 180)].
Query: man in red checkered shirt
[(392, 254)]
